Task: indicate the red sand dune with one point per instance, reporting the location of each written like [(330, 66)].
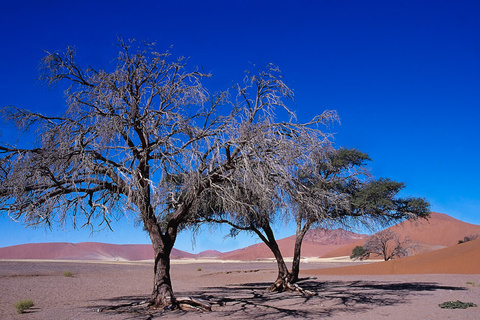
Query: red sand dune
[(458, 259), (84, 251), (316, 243), (208, 254), (439, 231)]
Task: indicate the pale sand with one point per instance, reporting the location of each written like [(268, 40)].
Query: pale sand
[(241, 285)]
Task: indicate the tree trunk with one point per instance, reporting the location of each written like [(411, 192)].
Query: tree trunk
[(283, 282), (162, 295), (297, 251), (282, 267), (282, 278)]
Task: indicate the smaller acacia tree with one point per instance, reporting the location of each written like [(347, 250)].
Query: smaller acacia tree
[(338, 190), (387, 245)]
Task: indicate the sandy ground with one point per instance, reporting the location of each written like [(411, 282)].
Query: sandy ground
[(241, 286)]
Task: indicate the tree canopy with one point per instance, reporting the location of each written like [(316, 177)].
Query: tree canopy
[(148, 138), (327, 187), (385, 244)]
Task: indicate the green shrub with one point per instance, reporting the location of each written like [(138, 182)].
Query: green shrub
[(23, 305), (68, 274), (358, 253), (456, 305), (199, 269)]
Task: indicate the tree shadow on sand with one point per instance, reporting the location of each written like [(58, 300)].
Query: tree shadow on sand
[(251, 300)]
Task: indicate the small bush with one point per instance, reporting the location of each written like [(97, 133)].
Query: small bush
[(23, 305), (199, 269), (456, 305), (68, 274), (358, 253), (468, 238)]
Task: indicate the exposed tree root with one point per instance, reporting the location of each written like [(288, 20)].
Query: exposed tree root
[(282, 285), (133, 305), (182, 303), (188, 303)]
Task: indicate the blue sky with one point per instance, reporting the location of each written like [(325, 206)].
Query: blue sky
[(404, 77)]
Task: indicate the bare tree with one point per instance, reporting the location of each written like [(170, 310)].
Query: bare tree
[(147, 139), (387, 245), (123, 135)]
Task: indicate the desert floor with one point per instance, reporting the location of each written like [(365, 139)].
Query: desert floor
[(240, 286)]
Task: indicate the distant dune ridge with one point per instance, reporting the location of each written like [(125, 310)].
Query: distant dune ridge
[(440, 231), (85, 251), (316, 243)]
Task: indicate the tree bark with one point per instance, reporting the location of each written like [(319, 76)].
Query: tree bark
[(282, 267), (297, 250), (281, 284), (162, 295)]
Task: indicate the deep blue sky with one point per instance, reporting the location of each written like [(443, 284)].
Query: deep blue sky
[(404, 77)]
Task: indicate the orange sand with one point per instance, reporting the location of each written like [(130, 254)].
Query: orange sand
[(458, 259)]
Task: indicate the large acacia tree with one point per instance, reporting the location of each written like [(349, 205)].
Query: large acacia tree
[(146, 138)]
